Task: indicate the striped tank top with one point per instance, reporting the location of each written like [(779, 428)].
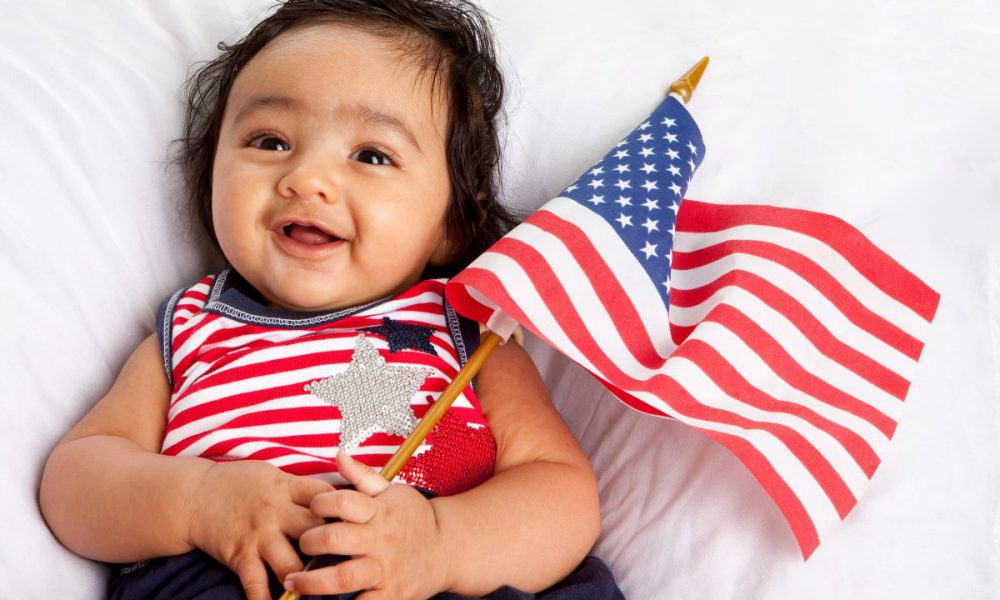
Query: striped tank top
[(253, 382)]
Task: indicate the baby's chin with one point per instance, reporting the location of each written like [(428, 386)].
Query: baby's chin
[(314, 298), (299, 302)]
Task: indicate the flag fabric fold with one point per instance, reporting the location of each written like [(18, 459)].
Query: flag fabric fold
[(783, 334)]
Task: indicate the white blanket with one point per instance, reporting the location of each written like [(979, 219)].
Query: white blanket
[(885, 114)]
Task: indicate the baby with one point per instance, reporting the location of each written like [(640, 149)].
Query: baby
[(343, 158)]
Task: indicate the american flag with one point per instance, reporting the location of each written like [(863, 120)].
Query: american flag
[(791, 337)]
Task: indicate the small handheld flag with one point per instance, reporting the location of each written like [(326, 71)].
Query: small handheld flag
[(785, 335)]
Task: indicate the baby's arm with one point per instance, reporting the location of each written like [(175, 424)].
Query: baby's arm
[(528, 526), (108, 494), (538, 516)]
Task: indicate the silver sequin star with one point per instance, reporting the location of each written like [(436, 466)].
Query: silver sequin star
[(371, 395)]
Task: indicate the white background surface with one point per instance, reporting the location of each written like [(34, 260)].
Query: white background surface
[(886, 116)]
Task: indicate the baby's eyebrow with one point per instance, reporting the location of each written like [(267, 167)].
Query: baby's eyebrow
[(354, 112), (371, 116), (261, 102)]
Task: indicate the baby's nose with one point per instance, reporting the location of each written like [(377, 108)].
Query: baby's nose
[(311, 178)]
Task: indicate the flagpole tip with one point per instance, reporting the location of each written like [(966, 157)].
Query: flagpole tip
[(685, 86)]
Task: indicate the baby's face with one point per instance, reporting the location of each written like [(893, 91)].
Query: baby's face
[(330, 183)]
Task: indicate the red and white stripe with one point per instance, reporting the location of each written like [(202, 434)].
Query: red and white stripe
[(791, 337), (238, 387)]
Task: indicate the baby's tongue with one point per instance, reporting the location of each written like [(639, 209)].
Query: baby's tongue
[(308, 235)]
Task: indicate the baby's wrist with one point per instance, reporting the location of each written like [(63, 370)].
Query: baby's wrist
[(196, 503), (447, 554)]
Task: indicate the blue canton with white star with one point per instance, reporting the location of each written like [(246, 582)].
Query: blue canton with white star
[(638, 187)]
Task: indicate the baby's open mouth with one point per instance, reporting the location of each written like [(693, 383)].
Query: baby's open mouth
[(307, 234)]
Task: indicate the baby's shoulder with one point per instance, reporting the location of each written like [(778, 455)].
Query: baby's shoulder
[(183, 304)]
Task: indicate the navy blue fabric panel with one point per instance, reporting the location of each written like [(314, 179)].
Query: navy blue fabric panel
[(164, 333), (233, 296), (470, 333), (196, 576)]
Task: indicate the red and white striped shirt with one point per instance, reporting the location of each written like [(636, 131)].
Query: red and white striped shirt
[(241, 374)]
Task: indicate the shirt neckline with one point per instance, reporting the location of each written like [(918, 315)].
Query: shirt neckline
[(233, 296)]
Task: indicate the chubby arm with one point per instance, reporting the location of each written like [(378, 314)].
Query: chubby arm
[(106, 492), (528, 526), (536, 518), (109, 495)]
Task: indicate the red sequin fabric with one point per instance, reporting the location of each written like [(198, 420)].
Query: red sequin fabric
[(460, 458)]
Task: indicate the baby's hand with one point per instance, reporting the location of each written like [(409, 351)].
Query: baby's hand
[(390, 531), (244, 514)]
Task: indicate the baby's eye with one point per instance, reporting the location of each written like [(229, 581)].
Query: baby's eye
[(270, 143), (371, 157)]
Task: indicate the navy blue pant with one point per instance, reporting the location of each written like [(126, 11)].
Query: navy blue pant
[(197, 576)]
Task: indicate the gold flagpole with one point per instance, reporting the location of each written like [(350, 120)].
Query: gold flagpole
[(687, 83)]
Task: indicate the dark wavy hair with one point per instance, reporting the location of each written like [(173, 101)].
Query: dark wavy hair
[(456, 42)]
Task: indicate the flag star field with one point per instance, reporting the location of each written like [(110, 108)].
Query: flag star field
[(637, 188)]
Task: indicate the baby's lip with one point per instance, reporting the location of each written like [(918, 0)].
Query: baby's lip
[(307, 239), (283, 225)]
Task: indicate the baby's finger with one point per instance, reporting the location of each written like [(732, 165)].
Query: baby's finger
[(363, 477), (302, 489), (296, 520), (253, 577), (278, 553), (347, 505), (348, 539), (349, 576)]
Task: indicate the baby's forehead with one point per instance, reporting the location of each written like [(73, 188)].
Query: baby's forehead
[(417, 59), (407, 46)]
